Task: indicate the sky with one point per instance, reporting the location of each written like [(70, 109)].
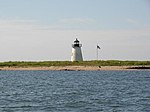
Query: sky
[(44, 30)]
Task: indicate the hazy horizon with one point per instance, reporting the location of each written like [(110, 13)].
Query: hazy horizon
[(36, 30)]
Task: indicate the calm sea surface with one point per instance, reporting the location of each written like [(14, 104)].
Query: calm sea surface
[(74, 91)]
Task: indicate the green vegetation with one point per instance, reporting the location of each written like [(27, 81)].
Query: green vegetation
[(68, 63)]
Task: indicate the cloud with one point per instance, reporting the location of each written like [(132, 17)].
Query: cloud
[(28, 40), (15, 21), (12, 25), (63, 24), (132, 21), (70, 24), (77, 21)]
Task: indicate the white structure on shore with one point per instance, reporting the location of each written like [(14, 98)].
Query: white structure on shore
[(76, 51)]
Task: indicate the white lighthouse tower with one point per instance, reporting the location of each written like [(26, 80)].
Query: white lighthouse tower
[(76, 51)]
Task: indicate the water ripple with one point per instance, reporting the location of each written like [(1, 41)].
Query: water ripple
[(75, 91)]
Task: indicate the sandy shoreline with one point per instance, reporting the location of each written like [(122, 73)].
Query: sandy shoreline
[(71, 68)]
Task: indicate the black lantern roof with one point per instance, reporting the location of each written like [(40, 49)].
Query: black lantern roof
[(76, 41)]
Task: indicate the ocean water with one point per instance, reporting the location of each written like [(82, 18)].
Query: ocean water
[(74, 91)]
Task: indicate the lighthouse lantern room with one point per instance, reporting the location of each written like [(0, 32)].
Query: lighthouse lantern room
[(76, 51)]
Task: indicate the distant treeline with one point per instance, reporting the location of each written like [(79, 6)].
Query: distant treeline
[(68, 63)]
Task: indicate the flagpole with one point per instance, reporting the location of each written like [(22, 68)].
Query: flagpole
[(97, 48), (97, 51)]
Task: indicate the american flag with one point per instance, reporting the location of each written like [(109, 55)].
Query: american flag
[(98, 47)]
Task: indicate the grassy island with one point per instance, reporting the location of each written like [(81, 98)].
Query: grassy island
[(68, 63)]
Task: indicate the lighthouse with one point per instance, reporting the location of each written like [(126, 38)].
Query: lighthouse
[(76, 51)]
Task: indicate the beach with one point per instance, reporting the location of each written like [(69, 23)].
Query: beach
[(73, 68)]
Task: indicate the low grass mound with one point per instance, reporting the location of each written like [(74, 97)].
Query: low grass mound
[(68, 63)]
